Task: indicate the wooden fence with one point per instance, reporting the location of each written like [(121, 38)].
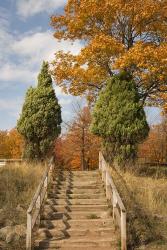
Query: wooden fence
[(33, 212), (119, 211), (4, 162)]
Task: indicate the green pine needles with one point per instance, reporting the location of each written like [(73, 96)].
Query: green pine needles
[(119, 118), (40, 120)]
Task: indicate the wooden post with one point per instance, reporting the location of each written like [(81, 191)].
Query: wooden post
[(38, 206), (107, 187), (104, 176), (46, 186), (29, 232), (100, 159), (123, 230), (114, 203)]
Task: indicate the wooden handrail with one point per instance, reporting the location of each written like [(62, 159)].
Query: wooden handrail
[(119, 211), (33, 212), (11, 160)]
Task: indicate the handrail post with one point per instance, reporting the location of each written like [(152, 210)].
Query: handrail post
[(38, 207), (123, 230), (100, 161), (107, 187), (103, 172), (104, 175), (29, 232), (114, 203), (46, 186)]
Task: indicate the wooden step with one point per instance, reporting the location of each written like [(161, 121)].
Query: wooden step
[(84, 184), (50, 215), (50, 233), (79, 223), (80, 248), (77, 201), (64, 190), (86, 242), (76, 196), (70, 208)]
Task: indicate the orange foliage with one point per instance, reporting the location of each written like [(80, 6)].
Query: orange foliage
[(11, 144), (15, 144), (154, 149), (4, 149), (117, 35), (79, 148)]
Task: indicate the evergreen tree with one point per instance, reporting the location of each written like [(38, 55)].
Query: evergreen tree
[(119, 118), (40, 120)]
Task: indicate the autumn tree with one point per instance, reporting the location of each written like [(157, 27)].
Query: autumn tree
[(78, 149), (115, 35), (4, 149), (154, 148), (15, 144), (11, 144), (40, 120), (119, 118)]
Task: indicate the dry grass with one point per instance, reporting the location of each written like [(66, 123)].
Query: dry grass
[(18, 183), (150, 193), (146, 202)]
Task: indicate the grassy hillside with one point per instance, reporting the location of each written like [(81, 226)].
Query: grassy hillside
[(18, 183), (146, 201)]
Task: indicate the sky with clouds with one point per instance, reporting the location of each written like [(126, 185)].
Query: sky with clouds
[(26, 39)]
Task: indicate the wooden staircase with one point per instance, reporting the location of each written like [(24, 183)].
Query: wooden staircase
[(76, 214)]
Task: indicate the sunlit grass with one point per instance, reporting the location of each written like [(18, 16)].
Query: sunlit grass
[(18, 183), (146, 201), (150, 193)]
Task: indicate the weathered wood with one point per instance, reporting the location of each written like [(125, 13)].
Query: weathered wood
[(29, 232), (123, 231), (4, 162), (11, 160), (108, 194), (33, 212), (119, 211)]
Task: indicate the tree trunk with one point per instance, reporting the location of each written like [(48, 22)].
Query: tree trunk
[(83, 150)]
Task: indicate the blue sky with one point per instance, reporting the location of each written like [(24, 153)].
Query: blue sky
[(26, 39)]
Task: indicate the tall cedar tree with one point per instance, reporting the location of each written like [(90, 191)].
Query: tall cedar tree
[(40, 120), (119, 118)]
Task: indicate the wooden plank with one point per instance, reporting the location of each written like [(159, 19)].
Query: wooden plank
[(29, 232), (123, 231), (11, 160), (38, 190), (33, 212), (117, 217), (119, 211)]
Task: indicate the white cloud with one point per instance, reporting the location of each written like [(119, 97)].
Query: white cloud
[(5, 35), (42, 46), (29, 50), (14, 73), (65, 101), (27, 8), (12, 106), (21, 56)]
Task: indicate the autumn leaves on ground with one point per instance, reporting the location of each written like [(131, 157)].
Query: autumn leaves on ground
[(120, 70)]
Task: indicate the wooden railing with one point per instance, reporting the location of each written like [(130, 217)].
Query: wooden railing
[(119, 211), (4, 162), (33, 212)]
